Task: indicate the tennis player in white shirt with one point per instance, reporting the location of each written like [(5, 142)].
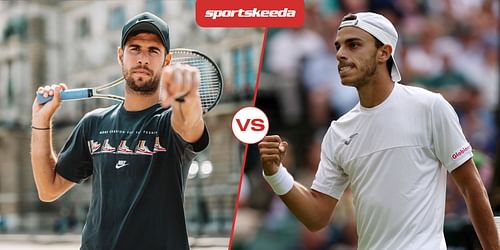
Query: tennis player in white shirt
[(394, 149)]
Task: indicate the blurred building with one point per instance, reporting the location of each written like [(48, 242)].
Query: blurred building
[(52, 41)]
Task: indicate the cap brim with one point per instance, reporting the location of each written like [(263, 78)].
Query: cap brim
[(395, 75)]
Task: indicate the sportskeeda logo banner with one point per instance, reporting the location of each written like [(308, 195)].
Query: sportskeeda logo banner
[(250, 13)]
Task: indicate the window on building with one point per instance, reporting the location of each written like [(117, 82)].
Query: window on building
[(243, 70), (16, 26), (155, 7), (190, 4), (10, 85), (237, 74), (83, 27), (249, 69), (37, 29), (116, 18)]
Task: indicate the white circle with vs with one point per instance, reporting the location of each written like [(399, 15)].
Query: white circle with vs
[(250, 125)]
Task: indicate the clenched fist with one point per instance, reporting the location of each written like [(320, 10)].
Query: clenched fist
[(272, 152), (43, 113), (179, 82)]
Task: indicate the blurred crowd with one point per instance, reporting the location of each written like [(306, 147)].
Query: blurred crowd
[(447, 46)]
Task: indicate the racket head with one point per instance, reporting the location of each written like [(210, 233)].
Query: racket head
[(211, 81)]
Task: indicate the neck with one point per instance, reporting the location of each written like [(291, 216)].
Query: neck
[(375, 92), (135, 101)]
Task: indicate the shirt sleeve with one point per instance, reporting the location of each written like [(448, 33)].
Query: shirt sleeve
[(330, 178), (450, 145), (74, 161), (190, 148)]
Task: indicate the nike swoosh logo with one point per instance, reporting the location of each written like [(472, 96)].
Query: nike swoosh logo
[(348, 141), (120, 166)]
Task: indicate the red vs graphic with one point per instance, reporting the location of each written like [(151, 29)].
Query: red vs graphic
[(257, 124), (250, 13), (250, 125)]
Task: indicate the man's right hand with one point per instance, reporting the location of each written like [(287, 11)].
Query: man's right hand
[(42, 113), (272, 152)]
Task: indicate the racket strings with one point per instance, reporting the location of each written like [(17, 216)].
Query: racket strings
[(210, 87), (110, 84)]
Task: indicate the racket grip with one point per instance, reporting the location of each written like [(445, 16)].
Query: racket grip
[(180, 98), (69, 94)]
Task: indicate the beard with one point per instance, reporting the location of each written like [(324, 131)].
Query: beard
[(147, 87), (367, 69)]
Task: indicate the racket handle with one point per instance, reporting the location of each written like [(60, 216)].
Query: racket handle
[(181, 98), (69, 94)]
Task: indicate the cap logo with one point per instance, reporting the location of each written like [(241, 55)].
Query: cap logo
[(350, 22), (147, 20)]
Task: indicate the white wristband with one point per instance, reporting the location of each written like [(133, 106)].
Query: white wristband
[(281, 182)]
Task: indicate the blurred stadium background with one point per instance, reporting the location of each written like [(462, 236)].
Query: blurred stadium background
[(51, 41), (447, 46)]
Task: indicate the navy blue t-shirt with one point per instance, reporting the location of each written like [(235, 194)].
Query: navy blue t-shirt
[(139, 166)]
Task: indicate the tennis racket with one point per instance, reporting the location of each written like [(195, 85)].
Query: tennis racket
[(210, 85)]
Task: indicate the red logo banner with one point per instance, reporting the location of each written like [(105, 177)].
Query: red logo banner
[(250, 13)]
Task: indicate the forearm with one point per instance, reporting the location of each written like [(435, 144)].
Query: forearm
[(312, 208), (469, 182), (306, 206), (482, 217), (43, 161), (187, 119)]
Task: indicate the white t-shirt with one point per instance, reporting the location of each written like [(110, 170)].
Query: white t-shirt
[(395, 156)]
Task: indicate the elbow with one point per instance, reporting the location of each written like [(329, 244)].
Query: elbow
[(50, 191), (47, 196), (315, 226), (318, 217)]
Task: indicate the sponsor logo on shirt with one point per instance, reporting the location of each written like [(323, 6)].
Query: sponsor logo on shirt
[(348, 141), (461, 152), (121, 164)]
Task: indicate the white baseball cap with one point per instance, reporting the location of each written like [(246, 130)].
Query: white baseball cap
[(379, 27)]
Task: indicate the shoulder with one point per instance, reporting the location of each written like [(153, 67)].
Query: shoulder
[(351, 114), (346, 120), (99, 113), (430, 100), (417, 95), (342, 126)]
